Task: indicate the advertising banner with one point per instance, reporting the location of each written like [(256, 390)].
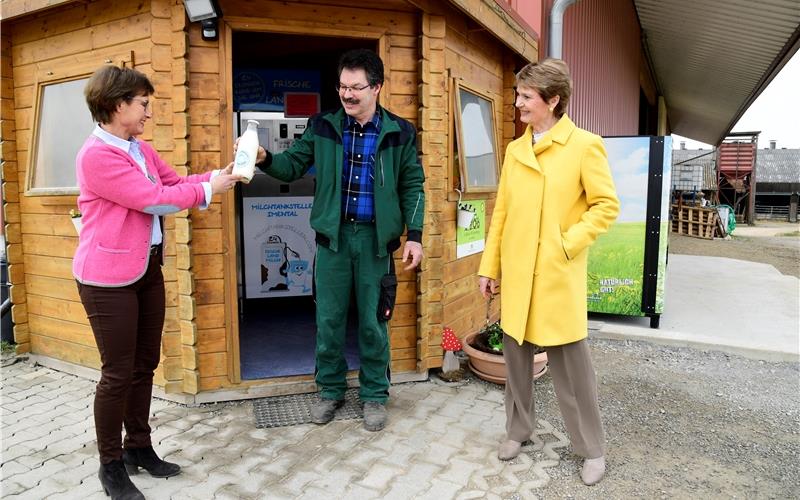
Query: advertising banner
[(264, 89), (279, 246), (616, 260), (628, 265), (470, 228)]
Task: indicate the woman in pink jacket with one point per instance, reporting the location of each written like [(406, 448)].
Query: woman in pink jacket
[(125, 189)]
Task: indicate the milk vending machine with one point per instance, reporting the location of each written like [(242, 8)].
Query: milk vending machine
[(627, 266), (276, 239)]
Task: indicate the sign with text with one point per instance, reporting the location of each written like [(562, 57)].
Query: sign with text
[(627, 265), (472, 238), (264, 89), (279, 246)]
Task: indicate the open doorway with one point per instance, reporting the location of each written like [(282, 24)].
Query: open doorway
[(275, 244)]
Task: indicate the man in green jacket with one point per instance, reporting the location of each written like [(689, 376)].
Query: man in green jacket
[(368, 191)]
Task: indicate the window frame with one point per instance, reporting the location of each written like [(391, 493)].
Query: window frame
[(81, 68), (458, 143)]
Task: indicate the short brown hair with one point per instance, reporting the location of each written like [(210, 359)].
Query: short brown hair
[(110, 85), (365, 59), (549, 78)]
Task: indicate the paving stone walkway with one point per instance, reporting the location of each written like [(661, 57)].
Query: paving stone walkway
[(440, 443)]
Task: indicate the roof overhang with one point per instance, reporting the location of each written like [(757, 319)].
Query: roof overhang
[(712, 59), (9, 9), (502, 21), (494, 15)]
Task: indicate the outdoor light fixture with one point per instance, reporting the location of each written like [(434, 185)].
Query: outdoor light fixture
[(208, 13)]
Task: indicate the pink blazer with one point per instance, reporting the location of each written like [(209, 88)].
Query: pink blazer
[(117, 202)]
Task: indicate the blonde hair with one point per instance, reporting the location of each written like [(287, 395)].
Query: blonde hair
[(549, 78)]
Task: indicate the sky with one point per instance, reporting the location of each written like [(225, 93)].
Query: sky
[(776, 112), (630, 158)]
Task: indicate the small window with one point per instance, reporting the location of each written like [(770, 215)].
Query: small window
[(62, 122), (476, 140)]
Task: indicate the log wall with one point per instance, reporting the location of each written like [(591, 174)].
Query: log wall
[(68, 42), (425, 45), (11, 194), (456, 48)]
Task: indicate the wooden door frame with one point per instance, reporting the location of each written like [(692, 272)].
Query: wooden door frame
[(231, 243)]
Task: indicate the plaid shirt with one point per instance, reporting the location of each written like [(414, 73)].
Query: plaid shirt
[(358, 171)]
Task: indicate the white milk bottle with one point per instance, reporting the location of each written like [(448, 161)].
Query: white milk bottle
[(244, 163)]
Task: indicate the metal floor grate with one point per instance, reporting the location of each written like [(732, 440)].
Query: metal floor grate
[(295, 409)]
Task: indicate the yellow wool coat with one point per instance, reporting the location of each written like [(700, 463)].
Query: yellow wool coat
[(554, 199)]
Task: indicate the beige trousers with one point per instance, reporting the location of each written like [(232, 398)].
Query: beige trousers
[(576, 390)]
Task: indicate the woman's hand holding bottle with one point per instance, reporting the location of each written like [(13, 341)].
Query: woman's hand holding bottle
[(225, 180)]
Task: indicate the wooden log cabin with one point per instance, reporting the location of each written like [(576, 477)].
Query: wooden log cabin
[(212, 330)]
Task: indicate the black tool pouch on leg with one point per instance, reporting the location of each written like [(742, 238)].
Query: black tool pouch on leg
[(388, 293)]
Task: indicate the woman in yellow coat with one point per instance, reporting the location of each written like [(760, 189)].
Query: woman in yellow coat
[(556, 195)]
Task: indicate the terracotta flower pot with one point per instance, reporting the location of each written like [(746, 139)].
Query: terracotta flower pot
[(492, 367)]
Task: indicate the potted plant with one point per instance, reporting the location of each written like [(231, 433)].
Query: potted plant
[(75, 217), (485, 351)]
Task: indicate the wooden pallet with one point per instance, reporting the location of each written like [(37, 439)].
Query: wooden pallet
[(698, 222)]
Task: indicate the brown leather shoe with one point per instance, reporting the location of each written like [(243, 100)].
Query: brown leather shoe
[(509, 450)]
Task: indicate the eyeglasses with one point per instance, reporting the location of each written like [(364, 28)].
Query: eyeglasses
[(342, 89), (144, 102)]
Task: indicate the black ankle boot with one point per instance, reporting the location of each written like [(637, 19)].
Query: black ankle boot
[(147, 459), (116, 482)]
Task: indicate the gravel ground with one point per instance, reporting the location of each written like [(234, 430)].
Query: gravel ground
[(684, 423), (779, 247), (687, 423)]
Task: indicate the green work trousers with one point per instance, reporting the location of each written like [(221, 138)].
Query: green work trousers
[(355, 266)]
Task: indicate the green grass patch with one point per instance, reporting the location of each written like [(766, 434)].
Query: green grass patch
[(790, 234), (616, 266), (6, 347)]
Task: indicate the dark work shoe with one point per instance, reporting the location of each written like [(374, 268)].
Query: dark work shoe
[(147, 459), (323, 411), (374, 416), (116, 482)]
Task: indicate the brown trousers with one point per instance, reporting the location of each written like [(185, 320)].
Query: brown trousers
[(576, 390), (127, 323)]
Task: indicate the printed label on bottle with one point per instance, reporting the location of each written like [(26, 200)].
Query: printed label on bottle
[(242, 158)]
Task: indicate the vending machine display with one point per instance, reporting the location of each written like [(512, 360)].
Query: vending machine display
[(628, 265), (277, 241)]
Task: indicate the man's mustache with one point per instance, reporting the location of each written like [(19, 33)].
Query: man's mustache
[(350, 100)]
